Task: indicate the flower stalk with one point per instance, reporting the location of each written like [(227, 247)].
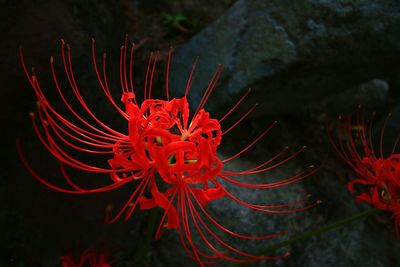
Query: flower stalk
[(142, 256)]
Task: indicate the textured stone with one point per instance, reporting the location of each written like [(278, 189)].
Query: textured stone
[(293, 53), (371, 95)]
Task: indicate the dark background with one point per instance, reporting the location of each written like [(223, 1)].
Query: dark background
[(307, 63)]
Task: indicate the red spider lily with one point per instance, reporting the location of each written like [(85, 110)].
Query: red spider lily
[(379, 176), (88, 258), (169, 154)]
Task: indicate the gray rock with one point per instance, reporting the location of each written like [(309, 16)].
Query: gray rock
[(292, 53), (371, 95)]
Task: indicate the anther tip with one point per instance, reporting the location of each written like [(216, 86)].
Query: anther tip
[(31, 115), (109, 208), (62, 41), (308, 195), (287, 254), (286, 147), (93, 40), (304, 147), (319, 201), (311, 166), (51, 59)]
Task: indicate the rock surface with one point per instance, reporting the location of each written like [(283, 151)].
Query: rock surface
[(293, 54), (371, 95)]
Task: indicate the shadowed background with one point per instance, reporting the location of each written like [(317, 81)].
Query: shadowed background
[(306, 63)]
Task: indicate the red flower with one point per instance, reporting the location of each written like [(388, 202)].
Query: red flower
[(89, 256), (168, 153), (379, 176)]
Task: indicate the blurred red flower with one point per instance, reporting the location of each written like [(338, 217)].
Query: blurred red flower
[(89, 258), (378, 176), (169, 153)]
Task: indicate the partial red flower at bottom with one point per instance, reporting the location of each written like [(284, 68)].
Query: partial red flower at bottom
[(378, 176), (168, 155), (89, 258)]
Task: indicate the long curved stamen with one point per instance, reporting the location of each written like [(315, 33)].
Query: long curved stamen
[(167, 73), (78, 95), (124, 64), (303, 174), (260, 169), (266, 209), (43, 181), (265, 163), (136, 194), (104, 86), (251, 144), (240, 120), (147, 76), (235, 106), (190, 79), (382, 135), (152, 74), (209, 89)]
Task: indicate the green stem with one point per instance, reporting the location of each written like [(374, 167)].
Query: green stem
[(142, 256), (309, 234)]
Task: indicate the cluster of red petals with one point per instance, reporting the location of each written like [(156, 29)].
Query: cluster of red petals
[(169, 154), (89, 258), (378, 177)]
